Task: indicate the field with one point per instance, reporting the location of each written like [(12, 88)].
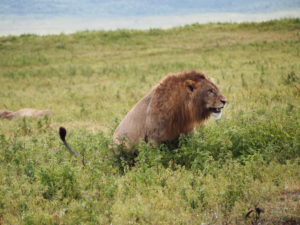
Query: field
[(248, 160)]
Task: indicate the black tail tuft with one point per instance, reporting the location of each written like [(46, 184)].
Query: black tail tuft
[(62, 133)]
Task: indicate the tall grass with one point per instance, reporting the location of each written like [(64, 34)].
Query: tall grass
[(249, 159)]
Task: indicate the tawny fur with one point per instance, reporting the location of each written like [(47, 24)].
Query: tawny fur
[(175, 106), (25, 113)]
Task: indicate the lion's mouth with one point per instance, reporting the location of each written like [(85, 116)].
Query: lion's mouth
[(215, 110)]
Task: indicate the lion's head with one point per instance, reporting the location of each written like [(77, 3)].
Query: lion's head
[(6, 114), (206, 98)]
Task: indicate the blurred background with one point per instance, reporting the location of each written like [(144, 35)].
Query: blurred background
[(68, 16)]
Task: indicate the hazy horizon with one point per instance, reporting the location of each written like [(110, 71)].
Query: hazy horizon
[(69, 16)]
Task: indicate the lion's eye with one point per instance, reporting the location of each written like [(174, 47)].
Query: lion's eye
[(211, 91), (191, 88)]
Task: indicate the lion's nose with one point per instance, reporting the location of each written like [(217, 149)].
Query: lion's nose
[(223, 101)]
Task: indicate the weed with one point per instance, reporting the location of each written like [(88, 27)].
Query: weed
[(291, 78)]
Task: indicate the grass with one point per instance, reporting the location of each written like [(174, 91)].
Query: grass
[(248, 159)]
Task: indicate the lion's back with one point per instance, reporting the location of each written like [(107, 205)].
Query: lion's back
[(132, 127)]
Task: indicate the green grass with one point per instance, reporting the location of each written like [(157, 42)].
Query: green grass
[(248, 159)]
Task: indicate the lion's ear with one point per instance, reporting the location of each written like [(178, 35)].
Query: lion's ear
[(190, 85)]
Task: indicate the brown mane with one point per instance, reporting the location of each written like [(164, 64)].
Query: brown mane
[(169, 98)]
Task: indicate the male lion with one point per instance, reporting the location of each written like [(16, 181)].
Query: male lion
[(175, 106)]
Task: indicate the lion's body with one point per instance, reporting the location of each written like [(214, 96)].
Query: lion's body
[(132, 128), (175, 106), (27, 112), (32, 112)]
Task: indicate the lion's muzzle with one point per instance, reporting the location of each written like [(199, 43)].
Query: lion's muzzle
[(217, 111)]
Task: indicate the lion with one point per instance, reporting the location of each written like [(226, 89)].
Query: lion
[(177, 105), (27, 112)]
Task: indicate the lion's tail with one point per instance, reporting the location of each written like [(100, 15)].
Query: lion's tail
[(62, 135)]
